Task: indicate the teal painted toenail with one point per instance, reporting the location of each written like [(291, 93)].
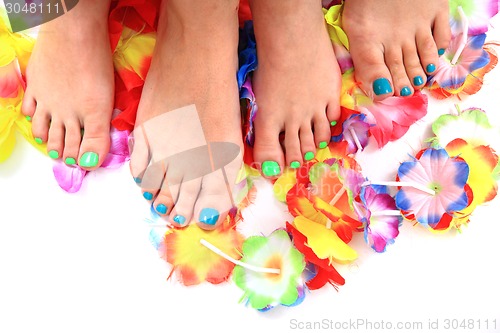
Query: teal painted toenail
[(70, 161), (209, 216), (295, 165), (147, 195), (179, 219), (430, 68), (28, 118), (137, 180), (405, 92), (309, 156), (161, 208), (271, 168), (323, 144), (39, 141), (418, 81), (382, 86), (89, 160), (441, 52), (333, 123), (53, 154)]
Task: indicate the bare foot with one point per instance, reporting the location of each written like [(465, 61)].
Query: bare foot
[(297, 83), (70, 85), (395, 44), (189, 115)]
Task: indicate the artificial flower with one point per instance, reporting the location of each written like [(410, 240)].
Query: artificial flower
[(380, 229), (21, 43), (352, 128), (192, 261), (446, 176), (264, 290), (478, 14)]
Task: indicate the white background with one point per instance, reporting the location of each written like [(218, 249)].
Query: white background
[(83, 262)]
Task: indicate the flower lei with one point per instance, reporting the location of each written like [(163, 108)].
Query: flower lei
[(329, 201)]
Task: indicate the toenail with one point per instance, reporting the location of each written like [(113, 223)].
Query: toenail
[(309, 156), (382, 86), (209, 216), (271, 168), (89, 159), (333, 123), (441, 52), (405, 92), (323, 144), (137, 180), (28, 118), (430, 68), (39, 141), (418, 81), (147, 195), (53, 154), (179, 219), (161, 208), (70, 161), (295, 165)]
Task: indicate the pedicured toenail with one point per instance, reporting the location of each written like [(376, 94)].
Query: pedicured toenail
[(89, 159), (323, 144), (309, 156), (161, 208), (53, 154), (39, 141), (70, 161), (405, 92), (209, 216), (441, 52), (179, 219), (382, 86), (333, 123), (430, 68), (295, 165), (418, 81), (147, 195), (137, 180), (271, 168), (28, 118)]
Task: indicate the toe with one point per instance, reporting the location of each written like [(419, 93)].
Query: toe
[(427, 51), (163, 202), (153, 181), (95, 143), (394, 61), (307, 145), (333, 111), (414, 70), (292, 148), (40, 125), (214, 201), (322, 132), (72, 141), (139, 155), (370, 69), (267, 150), (28, 106), (182, 213), (55, 143), (442, 32)]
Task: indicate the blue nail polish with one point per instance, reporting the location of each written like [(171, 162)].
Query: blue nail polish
[(405, 91), (161, 208), (147, 195), (441, 52), (418, 81), (179, 219), (430, 68), (137, 180), (209, 216), (382, 86)]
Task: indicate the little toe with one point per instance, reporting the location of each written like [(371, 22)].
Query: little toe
[(182, 214), (95, 144), (139, 155), (442, 32), (28, 106), (370, 69), (307, 145), (40, 125), (267, 150), (333, 111)]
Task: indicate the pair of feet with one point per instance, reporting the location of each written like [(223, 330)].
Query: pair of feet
[(190, 97)]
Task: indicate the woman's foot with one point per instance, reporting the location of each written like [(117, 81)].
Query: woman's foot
[(190, 100), (70, 85), (395, 44), (297, 83)]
